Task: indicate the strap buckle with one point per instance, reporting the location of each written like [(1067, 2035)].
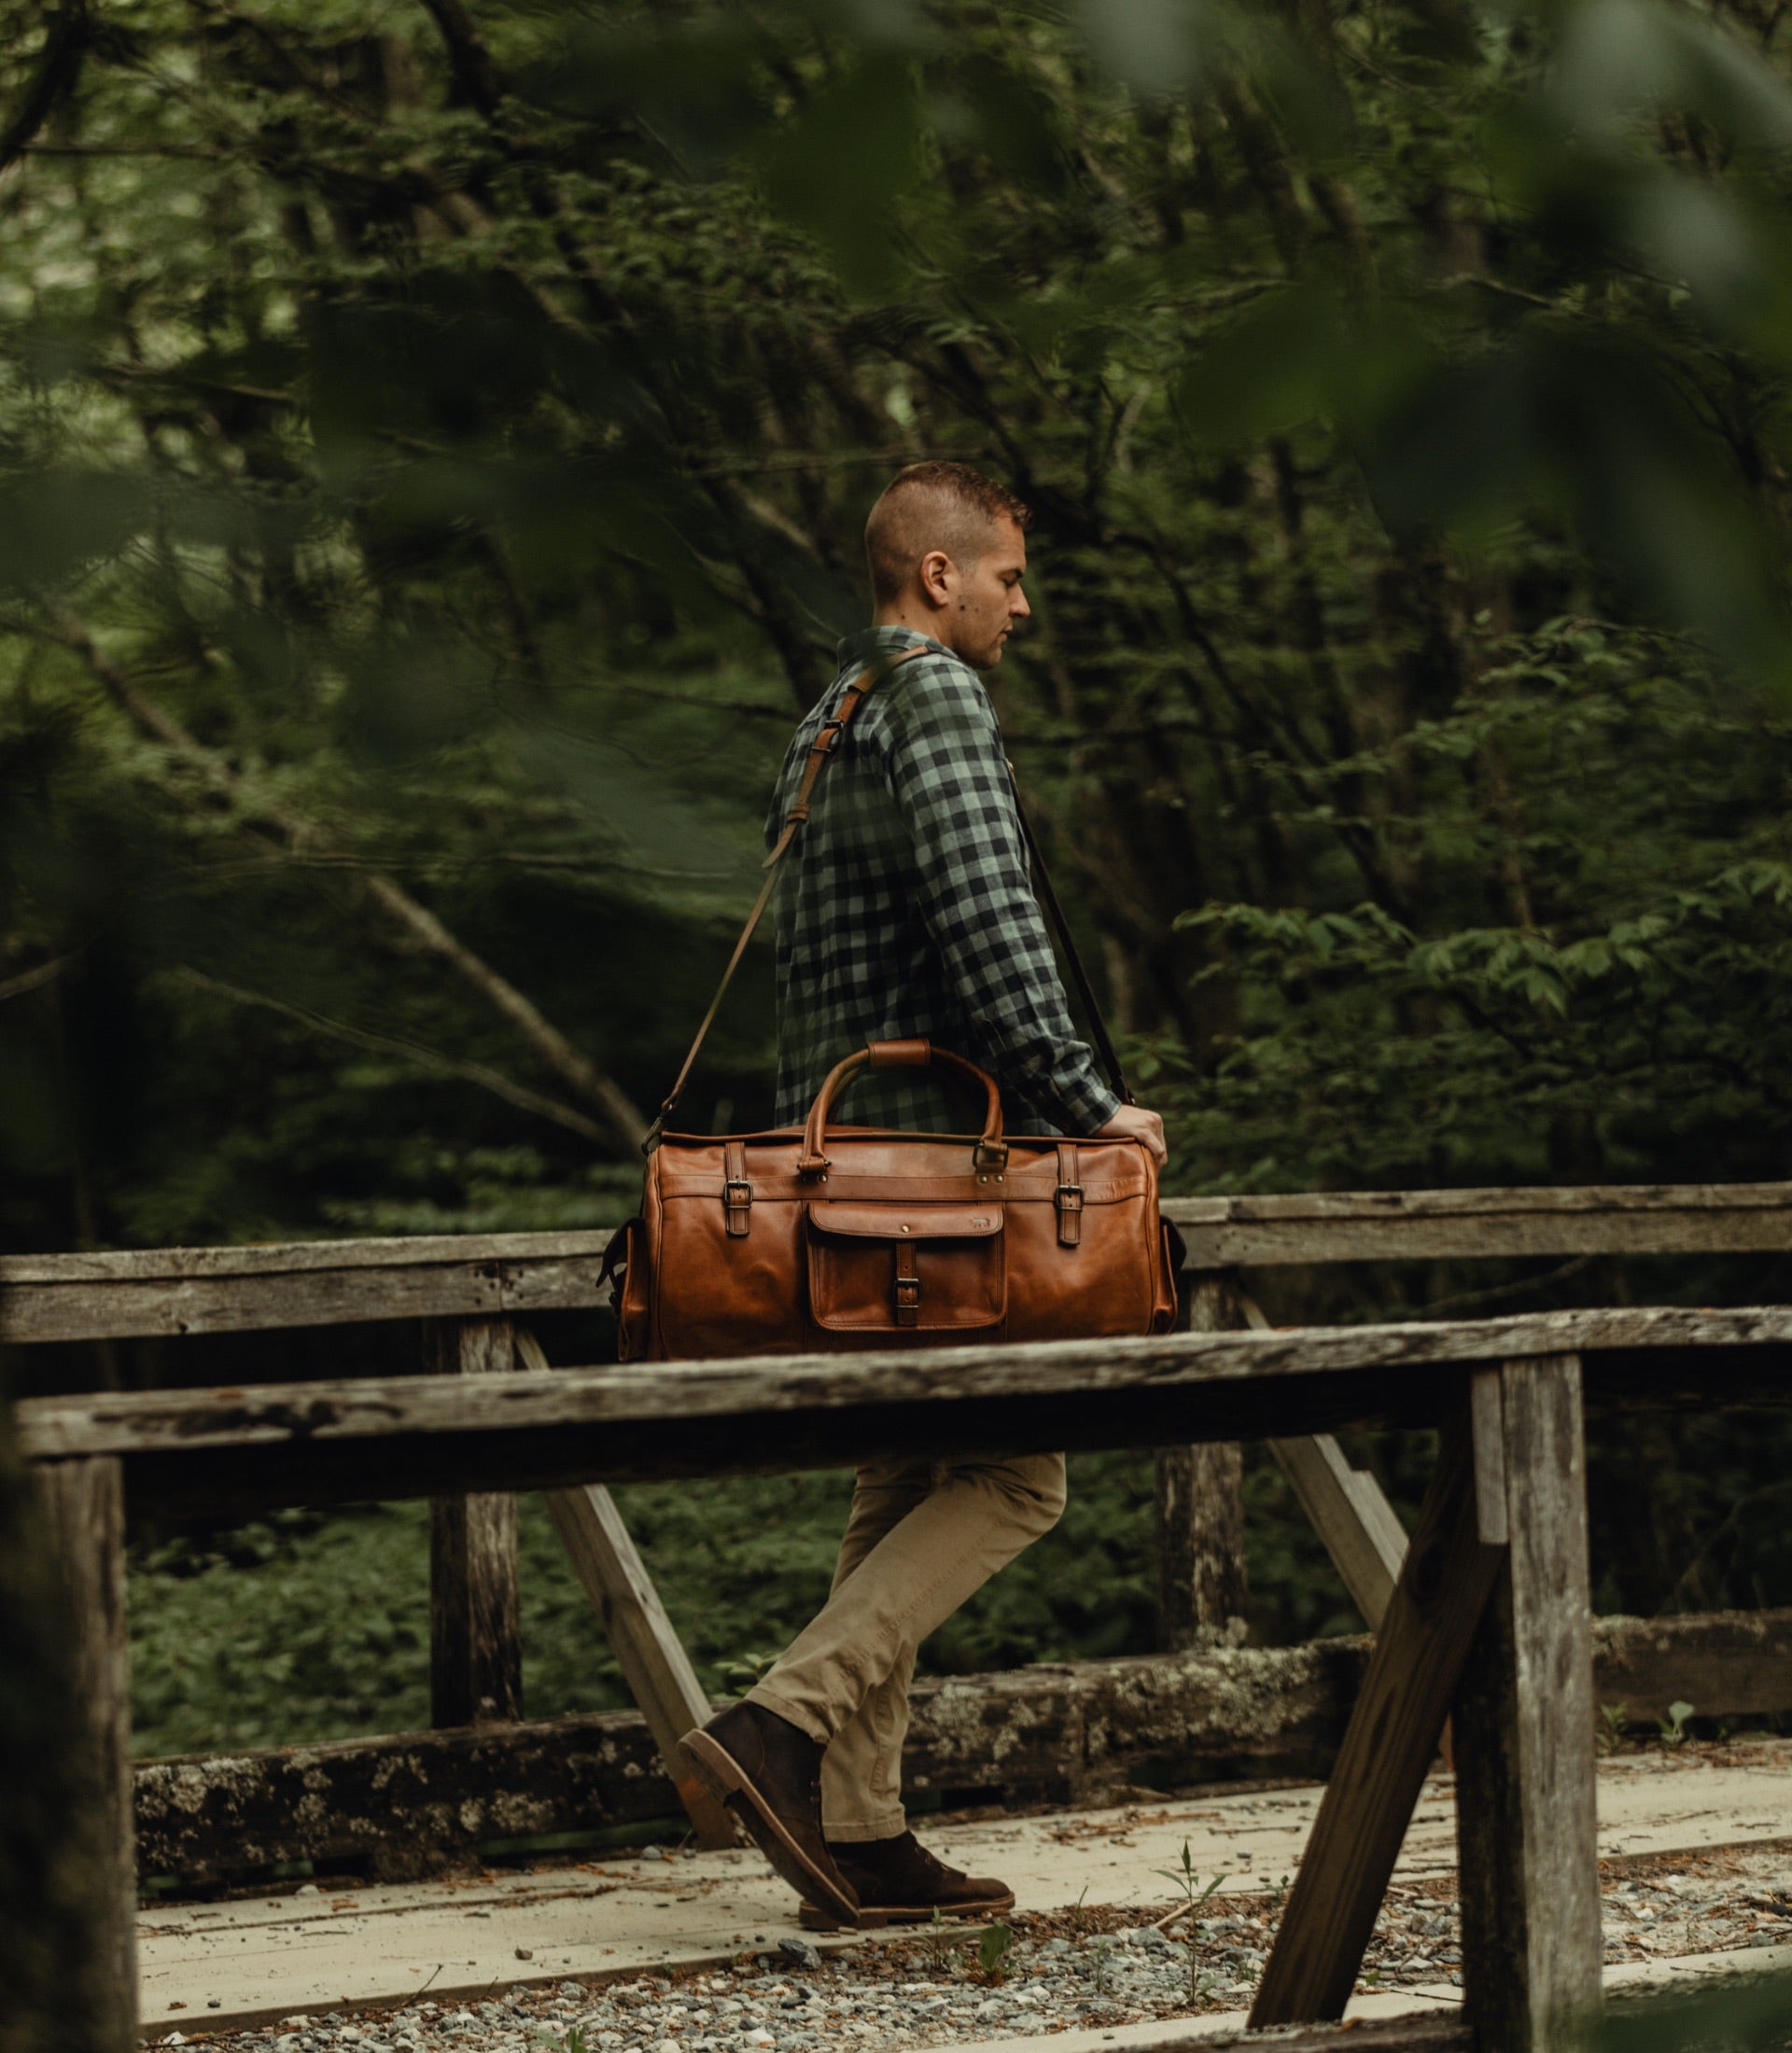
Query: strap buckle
[(986, 1156), (736, 1201), (1070, 1198)]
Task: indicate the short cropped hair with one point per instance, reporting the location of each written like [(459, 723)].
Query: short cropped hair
[(929, 506)]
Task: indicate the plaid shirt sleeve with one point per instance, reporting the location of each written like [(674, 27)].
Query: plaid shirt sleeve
[(951, 784)]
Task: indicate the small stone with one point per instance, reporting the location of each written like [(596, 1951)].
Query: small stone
[(801, 1951), (214, 2002), (308, 1888), (526, 1953)]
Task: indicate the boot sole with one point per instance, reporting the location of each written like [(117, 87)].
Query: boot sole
[(726, 1780), (873, 1918)]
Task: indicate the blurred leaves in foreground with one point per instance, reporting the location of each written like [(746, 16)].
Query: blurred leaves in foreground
[(432, 446)]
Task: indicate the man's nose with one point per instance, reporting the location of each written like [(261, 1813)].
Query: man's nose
[(1017, 606)]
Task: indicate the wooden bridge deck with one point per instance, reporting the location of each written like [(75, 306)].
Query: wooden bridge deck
[(343, 1948)]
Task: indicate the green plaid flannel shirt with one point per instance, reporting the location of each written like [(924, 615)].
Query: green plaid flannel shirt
[(905, 909)]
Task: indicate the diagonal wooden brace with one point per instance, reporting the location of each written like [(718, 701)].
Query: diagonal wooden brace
[(1392, 1740)]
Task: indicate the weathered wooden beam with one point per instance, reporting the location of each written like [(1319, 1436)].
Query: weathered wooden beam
[(234, 1449), (1387, 1747), (173, 1291), (1423, 1225), (475, 1640), (1526, 1830), (648, 1650), (1345, 1506), (1199, 1502), (1357, 1525), (1417, 2031), (82, 1508), (1068, 1733)]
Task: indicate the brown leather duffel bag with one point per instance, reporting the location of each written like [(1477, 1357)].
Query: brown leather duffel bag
[(844, 1237), (847, 1237)]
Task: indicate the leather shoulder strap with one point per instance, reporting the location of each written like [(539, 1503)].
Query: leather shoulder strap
[(821, 751), (1085, 989)]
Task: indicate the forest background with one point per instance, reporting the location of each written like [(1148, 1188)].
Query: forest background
[(435, 436)]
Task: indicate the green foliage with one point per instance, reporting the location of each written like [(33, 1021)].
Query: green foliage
[(1194, 1896), (309, 1625), (1673, 1728), (992, 1951)]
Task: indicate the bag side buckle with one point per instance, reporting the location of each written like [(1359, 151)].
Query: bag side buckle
[(737, 1204), (1069, 1201)]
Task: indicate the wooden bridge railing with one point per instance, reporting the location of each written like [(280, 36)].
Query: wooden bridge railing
[(1489, 1618), (466, 1439)]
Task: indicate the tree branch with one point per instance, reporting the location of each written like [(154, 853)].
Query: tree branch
[(59, 68), (487, 1079), (623, 1125)]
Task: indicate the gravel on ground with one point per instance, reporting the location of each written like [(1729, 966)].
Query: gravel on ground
[(1087, 1965)]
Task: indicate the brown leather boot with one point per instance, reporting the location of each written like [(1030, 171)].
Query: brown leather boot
[(768, 1772), (898, 1881)]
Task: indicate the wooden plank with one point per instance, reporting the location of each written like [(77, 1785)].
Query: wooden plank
[(295, 1257), (1387, 1749), (1199, 1502), (240, 1449), (1529, 1850), (475, 1638), (646, 1644), (173, 1291), (309, 1296), (1058, 1733), (82, 1508), (1345, 1506), (648, 1650), (316, 1413), (1360, 1529), (1414, 1226)]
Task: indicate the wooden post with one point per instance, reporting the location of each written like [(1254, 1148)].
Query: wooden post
[(1200, 1501), (475, 1648), (1391, 1741), (1525, 1824), (82, 1505)]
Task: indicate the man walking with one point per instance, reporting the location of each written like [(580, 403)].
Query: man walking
[(907, 913)]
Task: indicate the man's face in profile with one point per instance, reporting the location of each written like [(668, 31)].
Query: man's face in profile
[(988, 600)]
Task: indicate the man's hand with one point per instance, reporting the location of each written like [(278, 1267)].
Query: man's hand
[(1133, 1122)]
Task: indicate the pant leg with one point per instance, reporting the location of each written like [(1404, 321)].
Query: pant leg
[(979, 1512), (882, 1496)]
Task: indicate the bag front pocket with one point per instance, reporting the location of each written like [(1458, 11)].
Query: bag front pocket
[(897, 1268)]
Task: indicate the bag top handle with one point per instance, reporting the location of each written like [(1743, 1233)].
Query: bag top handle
[(991, 1149)]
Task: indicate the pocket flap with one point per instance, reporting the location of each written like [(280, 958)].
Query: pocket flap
[(907, 1221)]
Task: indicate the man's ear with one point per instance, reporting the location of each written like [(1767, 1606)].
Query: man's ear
[(938, 574)]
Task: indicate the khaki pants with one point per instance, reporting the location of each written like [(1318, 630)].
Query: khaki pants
[(924, 1534)]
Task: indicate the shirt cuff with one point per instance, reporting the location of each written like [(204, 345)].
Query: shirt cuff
[(1080, 1106)]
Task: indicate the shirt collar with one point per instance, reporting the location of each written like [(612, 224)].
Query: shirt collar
[(868, 643)]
